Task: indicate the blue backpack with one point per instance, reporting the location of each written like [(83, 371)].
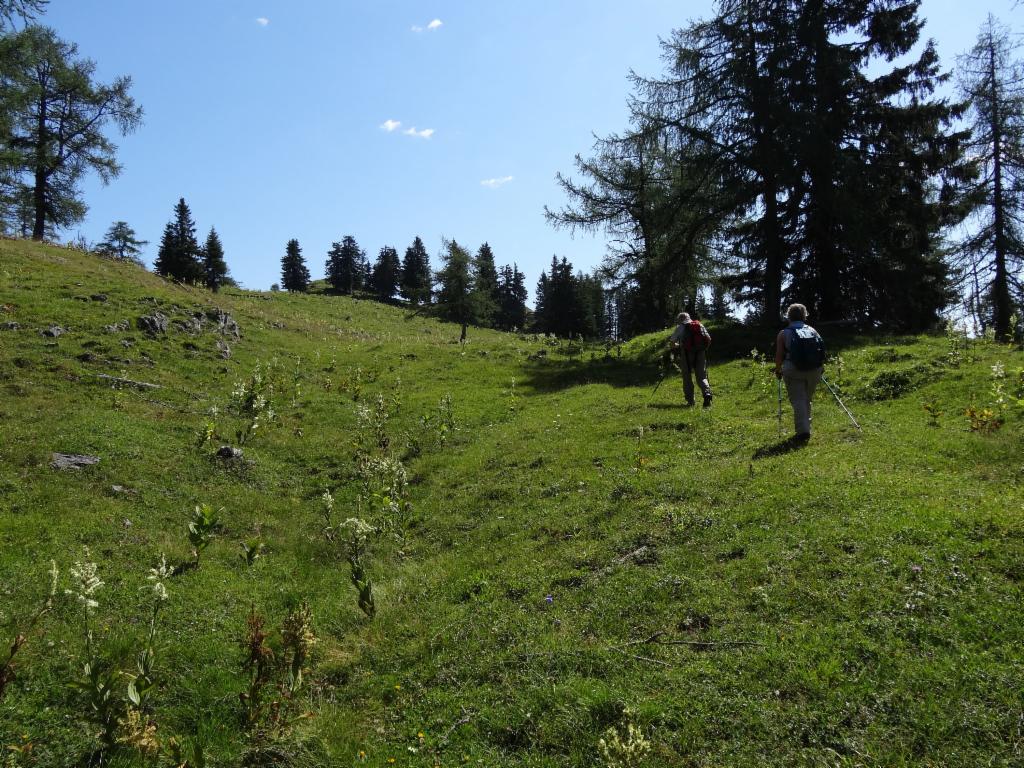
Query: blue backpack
[(806, 349)]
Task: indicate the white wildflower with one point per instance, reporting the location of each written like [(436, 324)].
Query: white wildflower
[(86, 582)]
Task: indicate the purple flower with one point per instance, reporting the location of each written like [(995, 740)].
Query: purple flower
[(549, 599)]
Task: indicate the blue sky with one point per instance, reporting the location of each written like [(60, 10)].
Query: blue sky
[(383, 119)]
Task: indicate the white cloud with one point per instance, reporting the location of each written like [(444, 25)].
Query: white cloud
[(433, 25), (263, 21), (495, 183), (426, 133), (390, 125)]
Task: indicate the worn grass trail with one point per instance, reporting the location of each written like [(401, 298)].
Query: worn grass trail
[(574, 547)]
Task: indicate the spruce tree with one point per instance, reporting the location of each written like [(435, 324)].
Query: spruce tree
[(386, 274), (485, 281), (179, 256), (991, 77), (294, 274), (346, 266), (416, 277), (215, 268), (512, 311)]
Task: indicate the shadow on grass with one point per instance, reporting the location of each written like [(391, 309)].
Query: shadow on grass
[(641, 368), (778, 449), (556, 375)]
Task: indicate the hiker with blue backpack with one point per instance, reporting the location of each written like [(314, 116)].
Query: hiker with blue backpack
[(799, 362), (692, 339)]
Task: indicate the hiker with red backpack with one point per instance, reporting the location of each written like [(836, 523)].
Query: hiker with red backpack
[(799, 362), (691, 340)]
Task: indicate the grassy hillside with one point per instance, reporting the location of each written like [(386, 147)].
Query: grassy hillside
[(557, 550)]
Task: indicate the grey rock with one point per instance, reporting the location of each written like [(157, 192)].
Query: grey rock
[(123, 490), (10, 326), (118, 327), (66, 461), (226, 324), (229, 452), (155, 323), (224, 349), (53, 331), (99, 297), (127, 343), (192, 326)]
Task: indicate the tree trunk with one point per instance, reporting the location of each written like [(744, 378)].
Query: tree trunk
[(1001, 305), (39, 191)]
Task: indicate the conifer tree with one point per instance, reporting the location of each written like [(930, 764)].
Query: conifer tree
[(991, 77), (457, 301), (179, 255), (386, 274), (416, 277), (54, 116), (512, 310), (346, 266), (294, 274), (120, 242), (215, 269), (485, 282)]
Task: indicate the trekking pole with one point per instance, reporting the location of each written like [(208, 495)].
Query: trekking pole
[(660, 379), (841, 404)]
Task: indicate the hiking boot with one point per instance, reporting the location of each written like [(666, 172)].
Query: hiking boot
[(707, 401)]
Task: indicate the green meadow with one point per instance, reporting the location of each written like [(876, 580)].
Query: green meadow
[(554, 553)]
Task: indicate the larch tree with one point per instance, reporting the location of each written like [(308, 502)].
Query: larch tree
[(56, 121), (991, 78), (121, 243), (25, 10), (457, 302)]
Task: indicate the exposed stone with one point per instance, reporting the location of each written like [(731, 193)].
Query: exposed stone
[(123, 490), (53, 331), (226, 324), (155, 323), (65, 461), (224, 349), (117, 382), (229, 452), (99, 297), (10, 326), (192, 325), (118, 327), (127, 343)]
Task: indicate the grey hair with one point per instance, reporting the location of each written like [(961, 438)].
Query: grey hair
[(683, 317), (796, 312)]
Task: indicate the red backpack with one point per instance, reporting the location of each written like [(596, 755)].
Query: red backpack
[(695, 337)]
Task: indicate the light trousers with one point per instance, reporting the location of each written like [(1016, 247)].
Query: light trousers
[(800, 386)]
